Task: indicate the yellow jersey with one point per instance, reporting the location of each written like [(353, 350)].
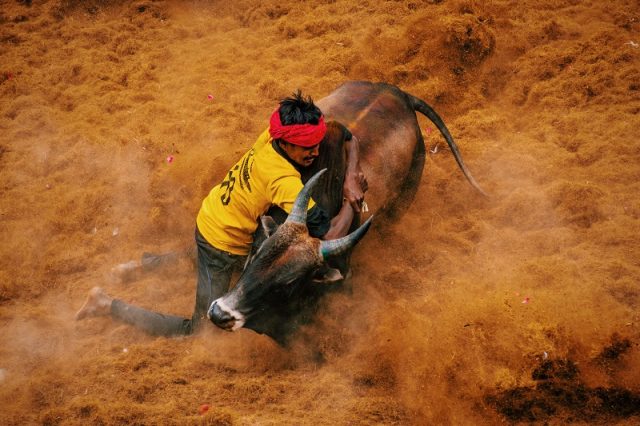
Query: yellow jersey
[(262, 178)]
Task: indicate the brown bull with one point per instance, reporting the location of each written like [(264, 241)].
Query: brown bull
[(277, 290)]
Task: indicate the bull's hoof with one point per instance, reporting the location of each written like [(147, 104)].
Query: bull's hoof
[(98, 304)]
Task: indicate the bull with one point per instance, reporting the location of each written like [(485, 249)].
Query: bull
[(279, 287)]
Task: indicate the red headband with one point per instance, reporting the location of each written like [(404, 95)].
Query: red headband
[(306, 135)]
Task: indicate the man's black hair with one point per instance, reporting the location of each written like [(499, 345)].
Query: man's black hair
[(296, 109)]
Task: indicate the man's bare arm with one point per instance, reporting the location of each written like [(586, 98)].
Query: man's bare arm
[(355, 183), (341, 223)]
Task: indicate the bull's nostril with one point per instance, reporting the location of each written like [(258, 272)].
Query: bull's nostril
[(224, 317), (210, 312), (220, 317)]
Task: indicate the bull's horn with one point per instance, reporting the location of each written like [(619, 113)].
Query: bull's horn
[(341, 245), (299, 210)]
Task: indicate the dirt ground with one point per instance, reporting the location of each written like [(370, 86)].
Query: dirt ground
[(116, 118)]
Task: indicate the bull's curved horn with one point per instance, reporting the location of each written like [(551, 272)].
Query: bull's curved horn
[(299, 210), (341, 245)]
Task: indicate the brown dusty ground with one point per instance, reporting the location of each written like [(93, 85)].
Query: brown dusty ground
[(543, 98)]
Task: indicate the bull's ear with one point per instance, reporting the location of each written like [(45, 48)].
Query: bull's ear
[(266, 228), (269, 226), (328, 276)]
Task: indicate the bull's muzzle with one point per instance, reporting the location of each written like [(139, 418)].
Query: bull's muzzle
[(223, 317)]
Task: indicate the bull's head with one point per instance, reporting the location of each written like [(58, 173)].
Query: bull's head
[(288, 257)]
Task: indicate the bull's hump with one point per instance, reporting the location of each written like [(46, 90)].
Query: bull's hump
[(367, 105)]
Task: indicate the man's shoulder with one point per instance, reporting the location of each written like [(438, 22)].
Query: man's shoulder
[(271, 164)]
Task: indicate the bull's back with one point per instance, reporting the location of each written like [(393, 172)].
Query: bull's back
[(382, 117)]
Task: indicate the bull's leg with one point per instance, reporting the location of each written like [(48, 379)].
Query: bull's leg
[(411, 182)]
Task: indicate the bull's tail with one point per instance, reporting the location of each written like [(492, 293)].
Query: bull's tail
[(422, 107)]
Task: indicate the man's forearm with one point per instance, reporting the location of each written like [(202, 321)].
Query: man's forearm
[(352, 148), (341, 223), (355, 183)]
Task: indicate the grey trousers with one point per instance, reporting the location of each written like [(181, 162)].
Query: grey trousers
[(214, 275)]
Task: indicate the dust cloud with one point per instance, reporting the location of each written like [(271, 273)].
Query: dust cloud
[(116, 118)]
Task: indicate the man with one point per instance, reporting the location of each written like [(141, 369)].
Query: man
[(268, 175)]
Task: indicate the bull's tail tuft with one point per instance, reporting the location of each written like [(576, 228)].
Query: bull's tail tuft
[(422, 107)]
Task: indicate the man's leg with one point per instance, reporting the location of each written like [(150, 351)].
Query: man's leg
[(150, 262), (99, 303), (214, 273)]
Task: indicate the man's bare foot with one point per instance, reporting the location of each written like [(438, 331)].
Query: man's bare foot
[(124, 272), (98, 303)]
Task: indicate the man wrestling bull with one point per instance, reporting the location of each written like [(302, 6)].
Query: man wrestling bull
[(268, 175)]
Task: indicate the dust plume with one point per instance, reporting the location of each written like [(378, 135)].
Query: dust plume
[(116, 119)]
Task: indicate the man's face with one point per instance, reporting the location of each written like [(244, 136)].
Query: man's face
[(301, 155)]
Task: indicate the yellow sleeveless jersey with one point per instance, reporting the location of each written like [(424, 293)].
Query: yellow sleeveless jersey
[(229, 215)]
